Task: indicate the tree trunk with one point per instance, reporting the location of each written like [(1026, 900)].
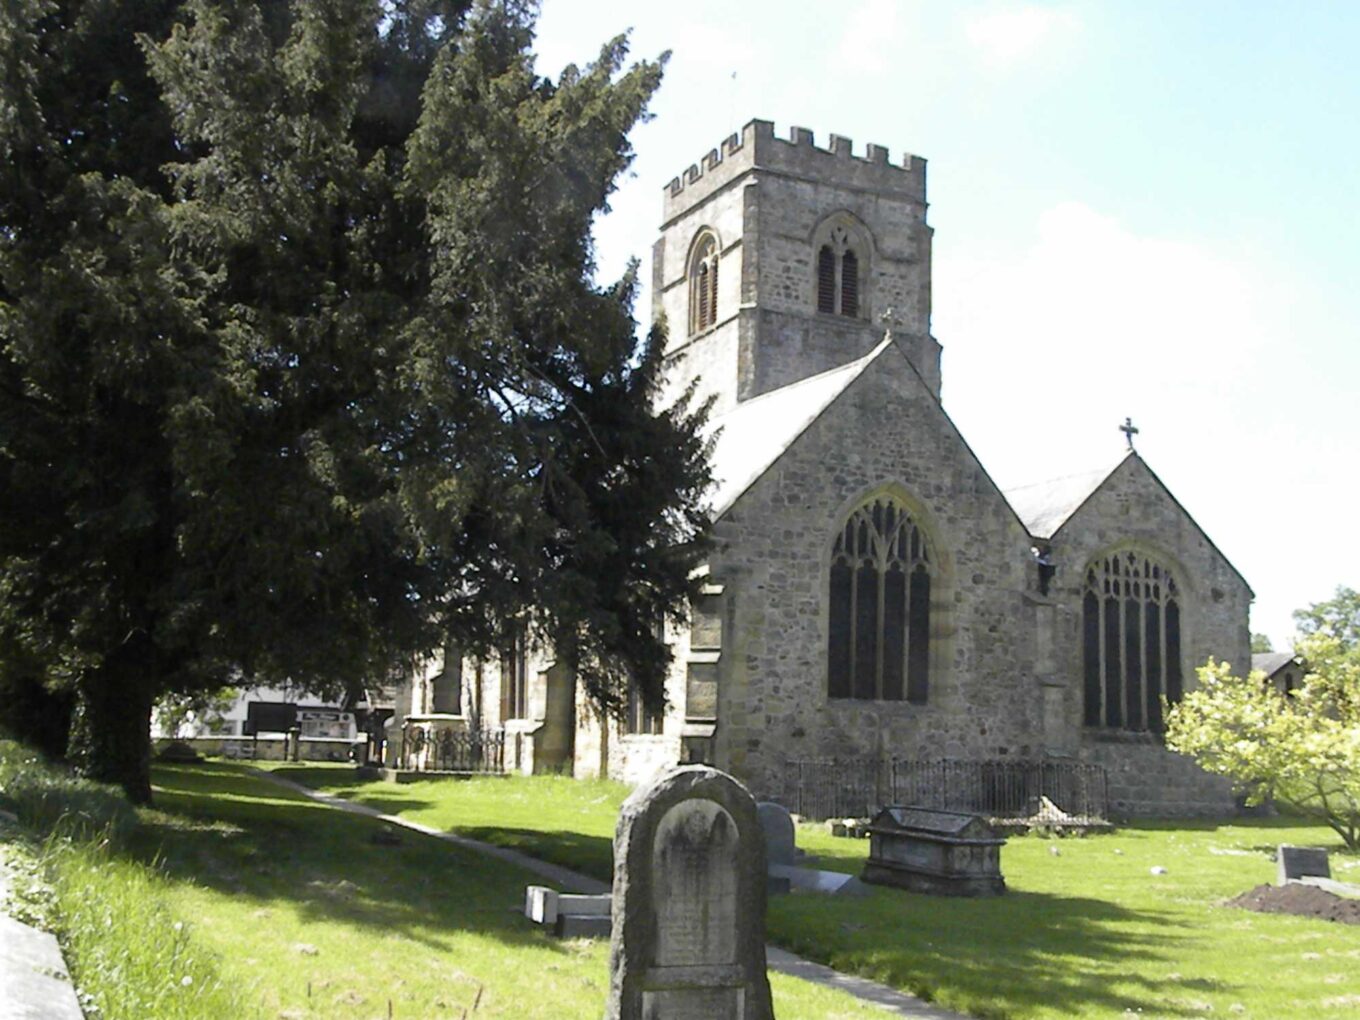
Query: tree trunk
[(111, 725)]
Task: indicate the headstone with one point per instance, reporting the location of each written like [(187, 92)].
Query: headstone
[(1297, 861), (777, 826), (568, 914), (540, 904), (689, 902)]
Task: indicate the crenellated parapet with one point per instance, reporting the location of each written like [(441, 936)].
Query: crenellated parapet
[(757, 148)]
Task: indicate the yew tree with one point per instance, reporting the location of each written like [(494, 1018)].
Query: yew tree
[(302, 364)]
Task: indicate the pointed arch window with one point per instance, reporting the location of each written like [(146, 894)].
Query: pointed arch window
[(879, 620), (838, 274), (703, 283), (1131, 636)]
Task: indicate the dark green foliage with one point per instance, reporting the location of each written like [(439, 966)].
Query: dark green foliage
[(31, 706), (301, 368)]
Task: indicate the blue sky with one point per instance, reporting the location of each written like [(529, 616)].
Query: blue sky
[(1143, 209)]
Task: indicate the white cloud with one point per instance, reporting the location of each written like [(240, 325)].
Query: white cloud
[(1003, 38), (1049, 345), (1089, 323), (870, 36)]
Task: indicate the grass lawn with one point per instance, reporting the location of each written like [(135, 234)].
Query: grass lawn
[(1086, 929), (297, 911)]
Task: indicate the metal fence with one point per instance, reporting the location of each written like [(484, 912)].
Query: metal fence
[(1004, 789), (428, 749)]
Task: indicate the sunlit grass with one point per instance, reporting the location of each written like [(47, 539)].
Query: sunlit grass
[(1086, 930), (235, 898)]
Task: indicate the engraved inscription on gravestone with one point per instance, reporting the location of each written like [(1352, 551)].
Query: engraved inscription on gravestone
[(695, 885), (689, 902)]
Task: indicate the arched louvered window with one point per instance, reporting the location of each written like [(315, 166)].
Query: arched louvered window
[(879, 623), (849, 284), (826, 280), (838, 274), (703, 284), (1131, 635)]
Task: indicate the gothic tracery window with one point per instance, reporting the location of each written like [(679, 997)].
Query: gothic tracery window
[(1131, 635), (703, 283), (838, 274), (879, 622)]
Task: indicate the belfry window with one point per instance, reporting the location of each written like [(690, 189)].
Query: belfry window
[(1131, 636), (879, 611), (838, 282), (703, 284)]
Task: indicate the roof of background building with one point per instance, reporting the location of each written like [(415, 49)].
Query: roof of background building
[(1271, 663)]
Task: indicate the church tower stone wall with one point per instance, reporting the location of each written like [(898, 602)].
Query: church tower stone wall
[(772, 206)]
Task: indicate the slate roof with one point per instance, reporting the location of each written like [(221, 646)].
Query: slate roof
[(1044, 507), (753, 435), (1271, 663)]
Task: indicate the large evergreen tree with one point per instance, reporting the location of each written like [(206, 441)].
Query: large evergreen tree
[(301, 365)]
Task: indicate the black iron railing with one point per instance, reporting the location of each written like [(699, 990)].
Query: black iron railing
[(427, 748), (1002, 789)]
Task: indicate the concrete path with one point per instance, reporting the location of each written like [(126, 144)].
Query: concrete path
[(34, 984), (889, 999)]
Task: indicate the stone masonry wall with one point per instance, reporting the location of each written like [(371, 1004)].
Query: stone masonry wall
[(1133, 510), (713, 354), (765, 199), (885, 433)]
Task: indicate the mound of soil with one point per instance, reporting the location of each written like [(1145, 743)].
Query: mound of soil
[(177, 751), (1296, 898)]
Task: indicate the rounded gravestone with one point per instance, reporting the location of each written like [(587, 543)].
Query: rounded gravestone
[(777, 825), (689, 902)]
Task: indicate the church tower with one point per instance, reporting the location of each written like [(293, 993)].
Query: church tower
[(779, 260)]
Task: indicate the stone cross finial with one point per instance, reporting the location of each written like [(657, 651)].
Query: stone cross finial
[(1130, 430)]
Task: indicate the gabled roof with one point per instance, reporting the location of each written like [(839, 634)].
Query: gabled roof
[(1047, 506), (755, 433), (1044, 507), (1271, 663)]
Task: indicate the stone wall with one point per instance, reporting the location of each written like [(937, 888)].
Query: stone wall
[(886, 433), (1148, 781), (1132, 510), (768, 201)]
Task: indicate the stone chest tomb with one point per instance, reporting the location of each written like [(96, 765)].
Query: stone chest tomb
[(689, 902), (947, 853)]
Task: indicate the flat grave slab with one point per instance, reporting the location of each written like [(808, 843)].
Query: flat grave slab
[(33, 976)]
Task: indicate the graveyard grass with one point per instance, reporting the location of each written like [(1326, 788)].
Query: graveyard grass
[(1086, 929), (272, 906)]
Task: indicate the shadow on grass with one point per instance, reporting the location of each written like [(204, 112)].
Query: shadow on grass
[(590, 855), (218, 827), (995, 957)]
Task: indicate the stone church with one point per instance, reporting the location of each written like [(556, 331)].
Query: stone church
[(871, 592)]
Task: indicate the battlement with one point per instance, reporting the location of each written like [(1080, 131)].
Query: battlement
[(756, 147)]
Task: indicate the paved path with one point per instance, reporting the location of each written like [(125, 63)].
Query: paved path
[(34, 984), (889, 999)]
